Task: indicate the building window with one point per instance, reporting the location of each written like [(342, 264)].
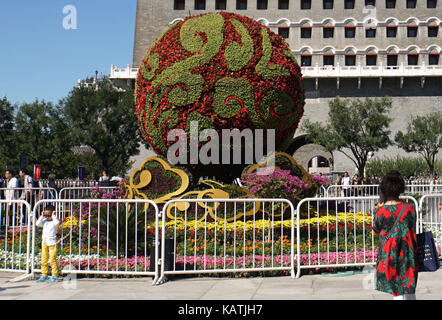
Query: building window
[(412, 32), (350, 32), (261, 4), (413, 59), (283, 4), (178, 4), (370, 33), (241, 4), (284, 32), (392, 60), (306, 4), (370, 3), (433, 59), (306, 60), (220, 5), (328, 32), (432, 31), (431, 4), (349, 4), (306, 32), (411, 4), (370, 59), (391, 32), (329, 60), (350, 60), (390, 4), (327, 4), (200, 4)]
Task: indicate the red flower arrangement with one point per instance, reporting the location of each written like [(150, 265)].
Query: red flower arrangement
[(223, 70)]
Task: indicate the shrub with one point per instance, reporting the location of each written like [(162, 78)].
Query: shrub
[(406, 166), (278, 184)]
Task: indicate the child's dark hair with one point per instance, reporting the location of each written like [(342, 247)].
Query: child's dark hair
[(391, 186), (49, 207)]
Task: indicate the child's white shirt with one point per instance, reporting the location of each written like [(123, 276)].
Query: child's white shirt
[(50, 229)]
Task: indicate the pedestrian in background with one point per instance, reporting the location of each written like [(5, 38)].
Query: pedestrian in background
[(11, 193), (357, 189), (394, 224), (26, 194), (346, 182), (103, 181), (11, 185)]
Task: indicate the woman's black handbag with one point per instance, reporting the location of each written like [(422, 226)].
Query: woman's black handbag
[(427, 256)]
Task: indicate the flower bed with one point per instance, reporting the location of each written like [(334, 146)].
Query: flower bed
[(199, 262), (341, 218)]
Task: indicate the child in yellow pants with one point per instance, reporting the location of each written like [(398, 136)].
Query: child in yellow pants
[(49, 222), (49, 253)]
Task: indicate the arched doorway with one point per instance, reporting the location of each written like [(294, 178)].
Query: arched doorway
[(319, 164), (313, 157)]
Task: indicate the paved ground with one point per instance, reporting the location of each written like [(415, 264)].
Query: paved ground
[(308, 287)]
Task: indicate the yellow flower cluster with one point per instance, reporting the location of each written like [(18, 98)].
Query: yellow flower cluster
[(71, 221), (352, 218)]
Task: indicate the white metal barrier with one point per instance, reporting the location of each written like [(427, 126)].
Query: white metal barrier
[(29, 195), (14, 236), (83, 192), (100, 236), (69, 183), (322, 192), (337, 232), (245, 235), (423, 189), (373, 190), (352, 190), (431, 217)]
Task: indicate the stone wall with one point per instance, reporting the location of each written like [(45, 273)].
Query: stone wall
[(411, 100)]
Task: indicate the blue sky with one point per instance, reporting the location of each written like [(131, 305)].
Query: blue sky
[(39, 58)]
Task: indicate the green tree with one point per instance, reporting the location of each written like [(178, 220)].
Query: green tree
[(43, 136), (355, 128), (424, 136), (7, 133), (103, 118)]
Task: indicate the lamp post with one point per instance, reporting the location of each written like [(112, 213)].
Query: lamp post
[(81, 171)]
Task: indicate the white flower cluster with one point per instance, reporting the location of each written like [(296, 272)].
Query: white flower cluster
[(437, 234), (12, 261)]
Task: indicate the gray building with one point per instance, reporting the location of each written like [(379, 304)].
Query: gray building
[(346, 48)]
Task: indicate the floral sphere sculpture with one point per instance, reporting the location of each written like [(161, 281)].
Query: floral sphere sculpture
[(223, 70)]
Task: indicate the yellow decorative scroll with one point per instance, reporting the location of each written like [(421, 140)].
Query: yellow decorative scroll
[(134, 190)]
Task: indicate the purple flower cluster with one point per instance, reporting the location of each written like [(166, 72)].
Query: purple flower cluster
[(259, 261), (87, 209), (139, 263), (320, 180), (277, 184), (107, 193)]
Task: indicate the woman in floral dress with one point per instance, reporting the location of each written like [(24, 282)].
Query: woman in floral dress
[(396, 268)]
